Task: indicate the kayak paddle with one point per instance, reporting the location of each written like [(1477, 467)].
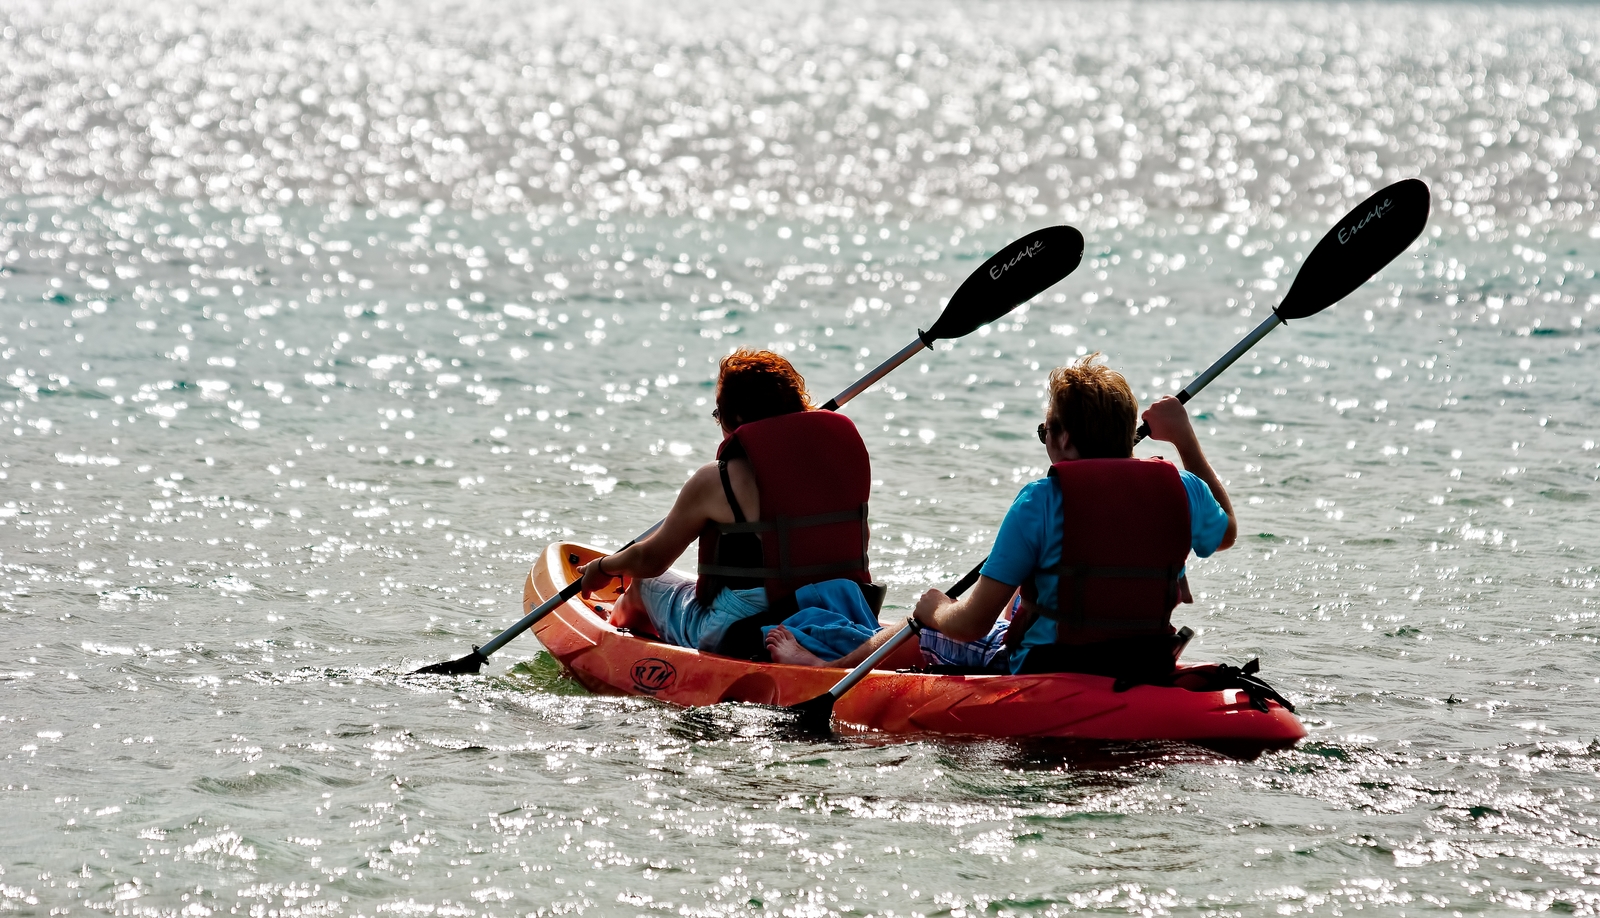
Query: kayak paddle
[(1359, 246), (816, 714), (1017, 273)]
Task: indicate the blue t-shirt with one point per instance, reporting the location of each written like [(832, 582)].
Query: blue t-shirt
[(1030, 540)]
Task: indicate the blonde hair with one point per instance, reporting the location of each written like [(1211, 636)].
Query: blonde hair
[(1096, 407)]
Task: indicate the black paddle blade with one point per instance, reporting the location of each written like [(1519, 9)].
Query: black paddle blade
[(468, 665), (1358, 247), (1016, 274), (814, 716)]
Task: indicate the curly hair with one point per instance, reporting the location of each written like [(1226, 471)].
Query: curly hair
[(754, 385), (1096, 406)]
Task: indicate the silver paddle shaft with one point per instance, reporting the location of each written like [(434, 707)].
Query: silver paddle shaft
[(912, 626), (1212, 372), (529, 620), (866, 666), (883, 369)]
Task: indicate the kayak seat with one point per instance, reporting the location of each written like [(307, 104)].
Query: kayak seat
[(874, 594)]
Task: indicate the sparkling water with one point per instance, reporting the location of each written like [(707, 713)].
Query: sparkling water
[(321, 320)]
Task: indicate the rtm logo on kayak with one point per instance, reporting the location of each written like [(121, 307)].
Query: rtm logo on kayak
[(1347, 233), (1027, 251), (652, 675)]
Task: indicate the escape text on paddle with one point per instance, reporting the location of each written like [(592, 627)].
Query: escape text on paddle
[(1347, 233), (1028, 252)]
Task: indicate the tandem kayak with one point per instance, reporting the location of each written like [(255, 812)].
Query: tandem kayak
[(1056, 705)]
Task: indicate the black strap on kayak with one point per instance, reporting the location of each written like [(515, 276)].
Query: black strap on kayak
[(1221, 676), (1245, 679)]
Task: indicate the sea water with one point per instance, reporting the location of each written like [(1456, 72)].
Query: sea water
[(321, 319)]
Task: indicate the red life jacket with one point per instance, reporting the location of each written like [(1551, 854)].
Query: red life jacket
[(1124, 540), (814, 478)]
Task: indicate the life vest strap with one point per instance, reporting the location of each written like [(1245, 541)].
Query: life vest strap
[(724, 570), (1079, 575), (813, 477), (782, 527), (1031, 612), (1075, 571), (795, 522)]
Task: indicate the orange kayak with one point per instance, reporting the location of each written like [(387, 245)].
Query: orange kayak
[(1060, 705)]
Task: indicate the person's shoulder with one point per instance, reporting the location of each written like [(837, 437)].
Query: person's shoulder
[(1038, 488), (1038, 496), (704, 478), (1033, 492), (701, 496), (1197, 488), (1025, 531)]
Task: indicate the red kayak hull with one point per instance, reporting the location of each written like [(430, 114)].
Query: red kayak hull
[(1058, 705)]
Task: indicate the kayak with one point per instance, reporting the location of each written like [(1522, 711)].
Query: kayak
[(606, 660)]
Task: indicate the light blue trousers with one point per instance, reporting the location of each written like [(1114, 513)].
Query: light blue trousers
[(679, 618)]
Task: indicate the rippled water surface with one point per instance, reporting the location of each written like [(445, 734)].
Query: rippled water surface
[(320, 320)]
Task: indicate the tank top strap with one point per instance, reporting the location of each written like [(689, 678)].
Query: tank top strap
[(727, 489)]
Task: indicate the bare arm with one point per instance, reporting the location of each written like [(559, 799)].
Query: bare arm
[(1169, 421), (967, 618), (651, 556)]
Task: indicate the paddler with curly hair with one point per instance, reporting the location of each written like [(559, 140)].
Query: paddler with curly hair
[(1091, 556), (783, 508)]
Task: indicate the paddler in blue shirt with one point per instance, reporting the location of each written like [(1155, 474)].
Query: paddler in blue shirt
[(1091, 557), (782, 510)]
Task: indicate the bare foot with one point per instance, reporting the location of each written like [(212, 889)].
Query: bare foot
[(783, 648)]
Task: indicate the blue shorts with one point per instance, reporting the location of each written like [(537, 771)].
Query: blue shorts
[(677, 616), (987, 652)]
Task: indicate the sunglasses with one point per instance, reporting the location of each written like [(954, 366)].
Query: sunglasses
[(1052, 428)]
